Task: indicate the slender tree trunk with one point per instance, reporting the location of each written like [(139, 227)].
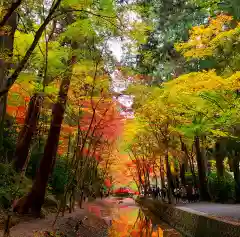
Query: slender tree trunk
[(155, 175), (6, 50), (28, 131), (183, 165), (169, 179), (162, 172), (35, 199), (201, 171), (182, 174)]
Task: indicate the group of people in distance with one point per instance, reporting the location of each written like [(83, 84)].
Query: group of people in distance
[(185, 194)]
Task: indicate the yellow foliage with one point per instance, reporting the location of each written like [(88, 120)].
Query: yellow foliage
[(195, 83), (234, 81), (204, 40)]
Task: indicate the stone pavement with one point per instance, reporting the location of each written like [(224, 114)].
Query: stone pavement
[(225, 211)]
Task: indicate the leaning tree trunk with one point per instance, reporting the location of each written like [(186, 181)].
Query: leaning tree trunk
[(27, 132), (201, 171), (6, 51), (35, 199)]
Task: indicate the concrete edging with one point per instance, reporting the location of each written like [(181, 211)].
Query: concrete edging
[(191, 224)]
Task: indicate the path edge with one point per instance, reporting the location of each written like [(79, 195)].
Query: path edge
[(190, 224)]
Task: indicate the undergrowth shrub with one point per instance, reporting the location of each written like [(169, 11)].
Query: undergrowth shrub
[(221, 189), (59, 177), (12, 185)]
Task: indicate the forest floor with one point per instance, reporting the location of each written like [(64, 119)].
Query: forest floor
[(93, 226)]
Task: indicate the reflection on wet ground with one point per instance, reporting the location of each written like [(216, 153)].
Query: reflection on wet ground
[(126, 219)]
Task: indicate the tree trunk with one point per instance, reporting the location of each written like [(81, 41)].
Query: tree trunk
[(169, 179), (219, 161), (35, 199), (6, 50), (182, 174), (9, 11), (192, 169), (236, 178), (162, 172), (28, 131), (201, 171)]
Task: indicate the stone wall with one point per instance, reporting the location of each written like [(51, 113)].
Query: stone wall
[(191, 224)]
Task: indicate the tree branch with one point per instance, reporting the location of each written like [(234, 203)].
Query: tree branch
[(14, 76), (10, 11)]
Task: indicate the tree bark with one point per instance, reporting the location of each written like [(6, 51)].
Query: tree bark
[(236, 173), (182, 174), (201, 171), (183, 165), (35, 199), (9, 12), (219, 160), (169, 179), (162, 172), (27, 132)]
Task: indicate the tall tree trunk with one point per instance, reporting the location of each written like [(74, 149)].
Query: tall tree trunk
[(219, 160), (182, 174), (35, 199), (162, 172), (169, 179), (201, 171), (6, 50), (28, 131), (236, 173), (183, 165)]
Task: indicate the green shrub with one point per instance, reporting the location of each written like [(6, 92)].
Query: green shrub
[(10, 185), (36, 156), (7, 148), (59, 177), (221, 189)]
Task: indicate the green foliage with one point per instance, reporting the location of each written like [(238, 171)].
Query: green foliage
[(221, 189), (172, 20), (9, 139), (10, 186), (60, 176)]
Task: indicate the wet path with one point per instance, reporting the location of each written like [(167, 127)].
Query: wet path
[(126, 219)]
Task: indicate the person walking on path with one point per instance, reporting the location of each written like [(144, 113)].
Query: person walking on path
[(177, 194)]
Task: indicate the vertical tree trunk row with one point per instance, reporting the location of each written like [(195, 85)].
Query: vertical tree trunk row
[(35, 199)]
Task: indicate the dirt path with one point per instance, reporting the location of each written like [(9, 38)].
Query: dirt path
[(92, 227)]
